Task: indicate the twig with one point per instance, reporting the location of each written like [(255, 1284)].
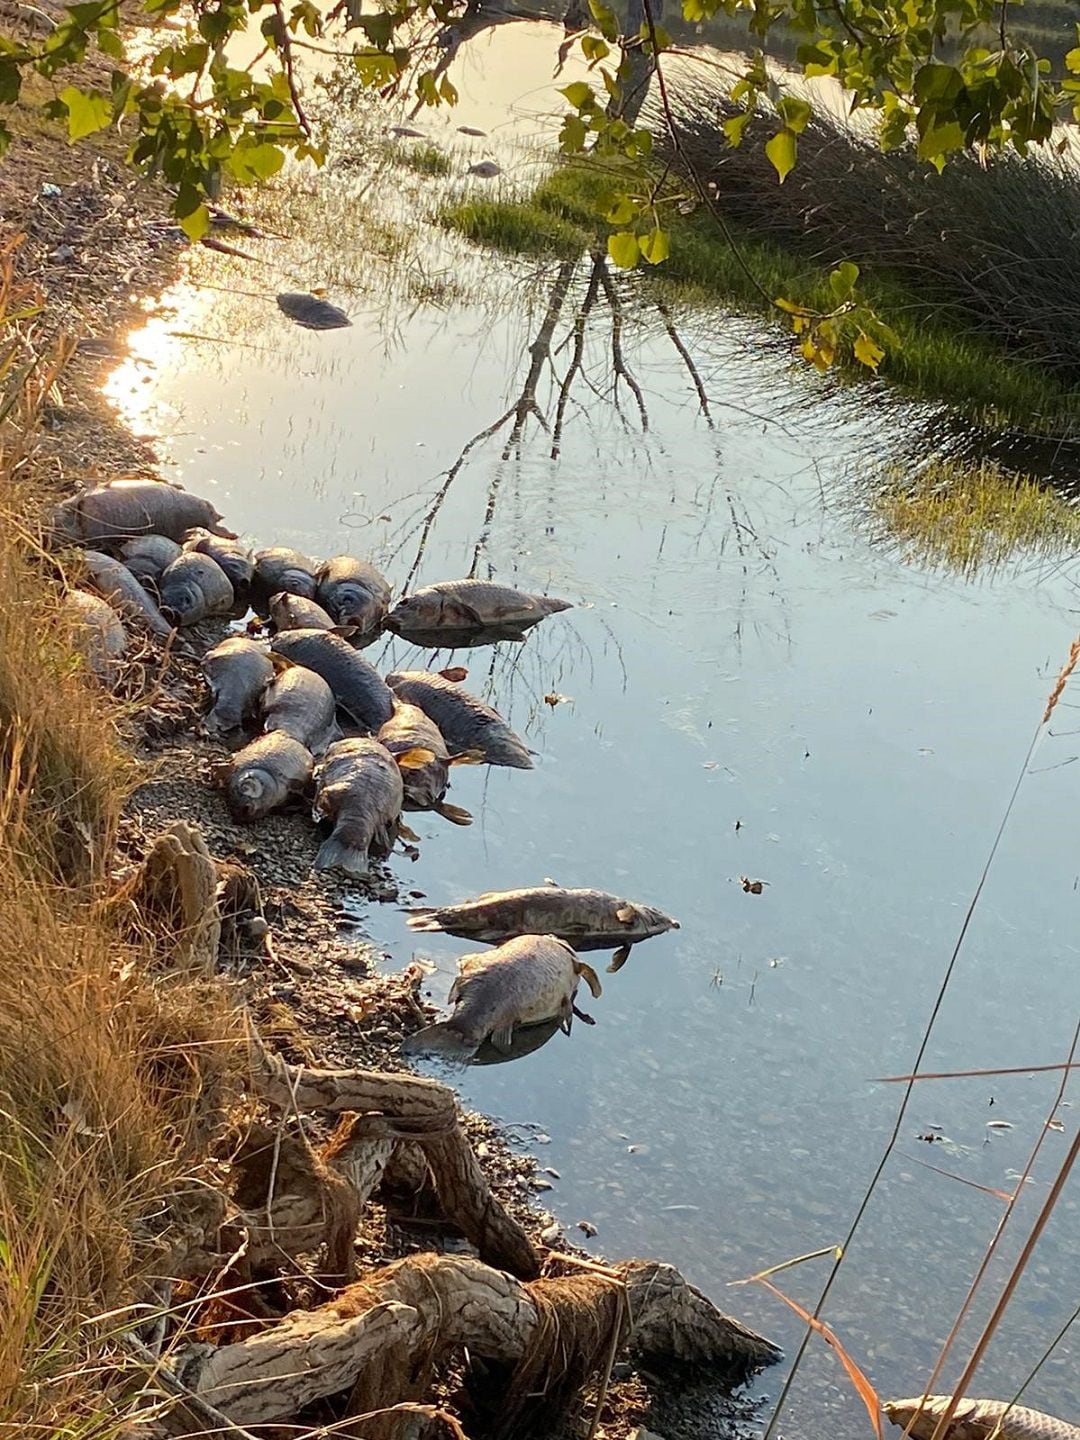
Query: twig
[(170, 1381), (284, 40)]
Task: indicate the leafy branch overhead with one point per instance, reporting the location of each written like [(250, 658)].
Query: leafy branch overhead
[(196, 114)]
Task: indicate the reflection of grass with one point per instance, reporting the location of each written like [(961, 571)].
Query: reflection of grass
[(973, 518), (936, 358), (422, 159)]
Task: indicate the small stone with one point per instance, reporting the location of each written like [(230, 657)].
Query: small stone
[(587, 1228), (550, 1233)]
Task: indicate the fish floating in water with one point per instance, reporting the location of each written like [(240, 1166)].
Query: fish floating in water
[(282, 569), (978, 1420), (585, 919), (458, 608), (312, 311), (528, 980)]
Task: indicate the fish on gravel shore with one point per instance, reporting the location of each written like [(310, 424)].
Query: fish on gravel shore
[(115, 583), (280, 568), (98, 633), (312, 311), (524, 982), (194, 587), (237, 672), (265, 775), (293, 612), (978, 1420), (359, 689), (585, 919), (464, 605), (359, 789), (123, 508), (234, 557), (301, 704), (466, 722), (353, 592), (409, 731), (148, 557)]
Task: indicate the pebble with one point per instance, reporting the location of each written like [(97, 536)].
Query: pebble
[(550, 1233), (587, 1228)]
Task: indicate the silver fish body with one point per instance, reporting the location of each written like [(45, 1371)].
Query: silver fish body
[(353, 592), (301, 704), (115, 583), (585, 919), (194, 587), (294, 612), (358, 687), (359, 790), (123, 508), (235, 559), (267, 774), (312, 311), (459, 606), (148, 557), (280, 568), (977, 1420), (465, 721), (528, 980), (98, 633), (237, 672)]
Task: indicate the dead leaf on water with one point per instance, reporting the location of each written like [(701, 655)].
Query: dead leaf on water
[(999, 1124), (1054, 1125), (454, 673), (553, 698), (752, 887)]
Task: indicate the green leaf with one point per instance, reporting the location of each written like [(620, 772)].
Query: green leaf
[(5, 139), (781, 150), (593, 48), (572, 135), (842, 281), (939, 141), (867, 352), (734, 127), (196, 224), (623, 249), (655, 247), (265, 160), (88, 112), (623, 211), (109, 43), (10, 83), (578, 94), (794, 112), (1072, 60), (605, 19)]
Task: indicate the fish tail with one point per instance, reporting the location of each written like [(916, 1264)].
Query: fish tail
[(423, 918), (454, 813), (444, 1041), (552, 605), (335, 854)]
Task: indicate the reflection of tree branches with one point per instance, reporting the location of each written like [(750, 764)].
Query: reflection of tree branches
[(617, 359), (687, 359), (574, 368)]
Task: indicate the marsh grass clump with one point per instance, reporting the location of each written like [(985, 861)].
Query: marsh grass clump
[(972, 518), (424, 159)]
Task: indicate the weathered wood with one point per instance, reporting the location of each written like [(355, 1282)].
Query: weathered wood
[(421, 1306), (174, 892)]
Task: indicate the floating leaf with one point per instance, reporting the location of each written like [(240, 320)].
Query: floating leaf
[(553, 698), (752, 887)]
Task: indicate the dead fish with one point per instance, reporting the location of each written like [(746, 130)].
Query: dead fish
[(530, 979), (293, 612), (409, 731), (462, 605), (124, 508), (114, 582), (466, 723), (280, 568), (301, 704), (353, 593), (585, 919), (234, 558), (486, 169), (148, 556), (977, 1419), (359, 789), (265, 775), (98, 634), (195, 587), (311, 311), (237, 672), (358, 687)]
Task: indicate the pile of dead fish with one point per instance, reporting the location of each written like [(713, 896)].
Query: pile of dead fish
[(326, 724)]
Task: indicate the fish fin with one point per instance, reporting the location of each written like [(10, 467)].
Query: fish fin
[(455, 674), (467, 757), (454, 813), (345, 631), (566, 1024), (505, 634), (503, 1038), (422, 918), (589, 975), (220, 770), (585, 1018), (280, 663), (624, 913), (549, 881), (441, 1041), (218, 529), (454, 991), (336, 855), (619, 959), (415, 759), (406, 834)]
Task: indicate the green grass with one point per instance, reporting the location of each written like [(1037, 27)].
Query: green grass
[(936, 359), (423, 159)]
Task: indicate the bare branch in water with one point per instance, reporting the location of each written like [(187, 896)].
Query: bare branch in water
[(618, 360)]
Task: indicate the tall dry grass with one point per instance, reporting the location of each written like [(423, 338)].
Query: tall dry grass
[(112, 1074)]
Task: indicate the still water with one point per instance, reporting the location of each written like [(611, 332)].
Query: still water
[(752, 687)]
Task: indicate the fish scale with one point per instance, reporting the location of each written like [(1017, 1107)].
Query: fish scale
[(978, 1420)]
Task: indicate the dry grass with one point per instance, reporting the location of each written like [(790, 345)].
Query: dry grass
[(111, 1075), (972, 518)]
